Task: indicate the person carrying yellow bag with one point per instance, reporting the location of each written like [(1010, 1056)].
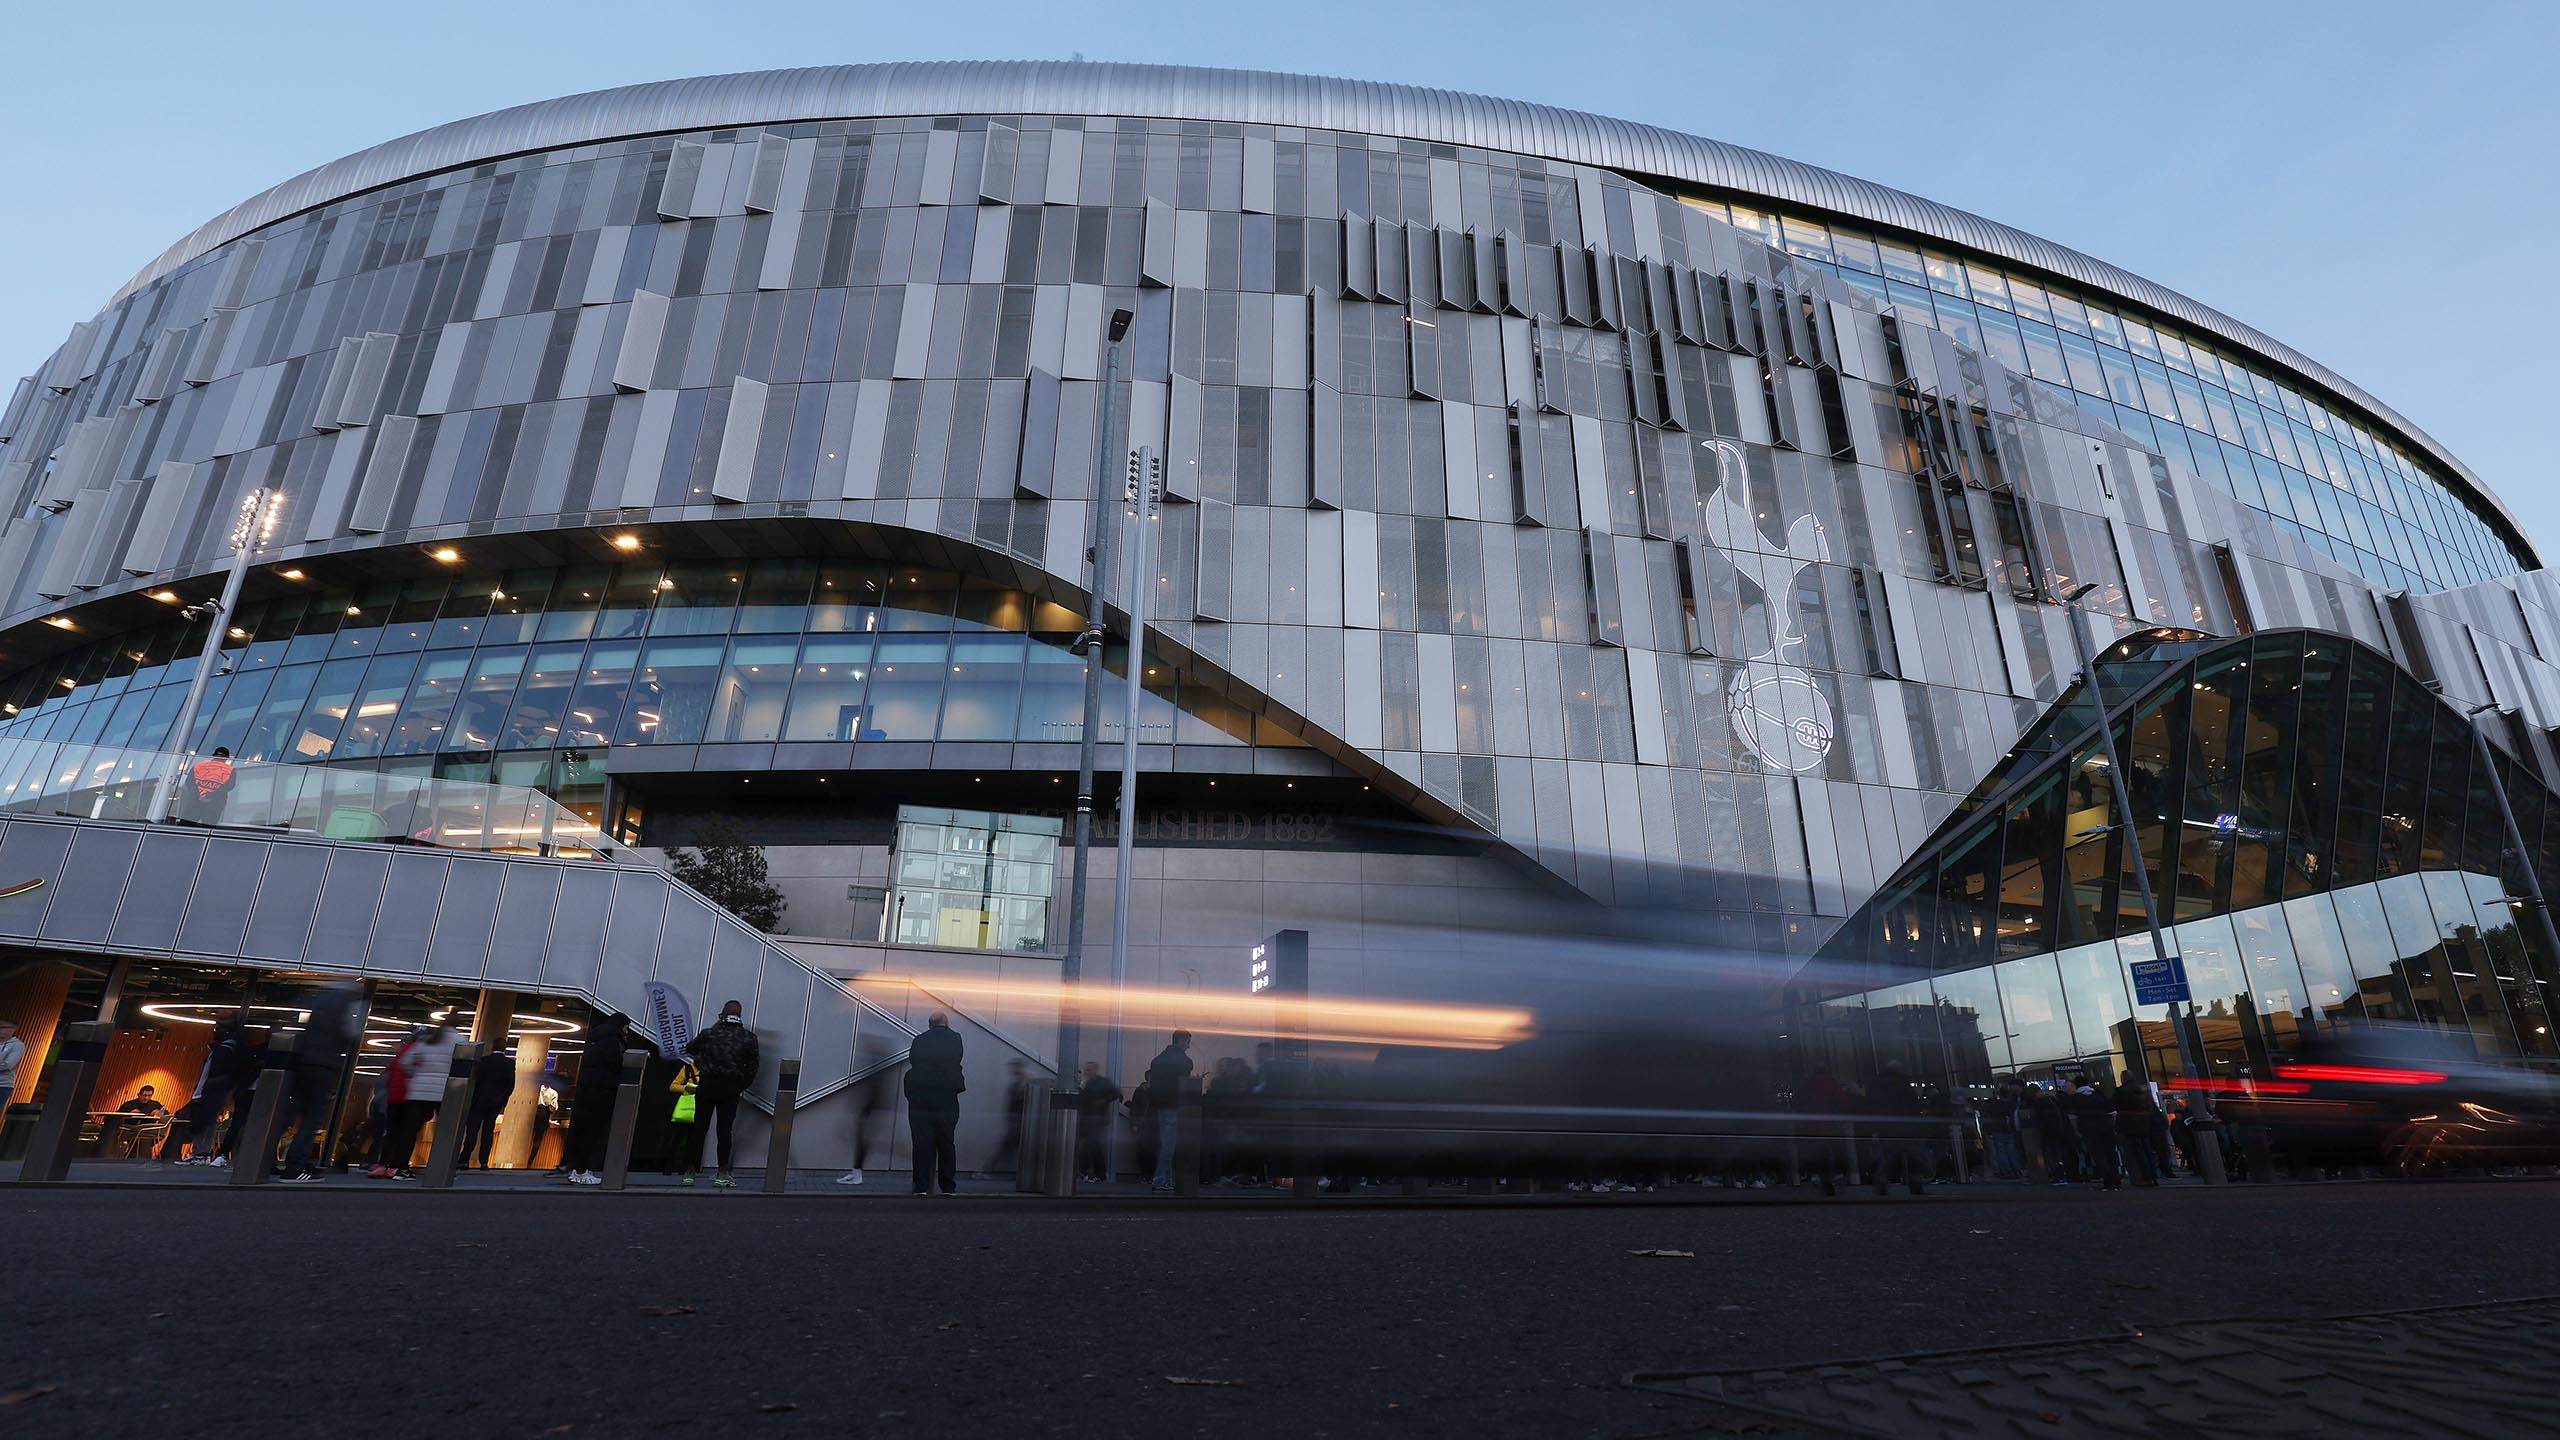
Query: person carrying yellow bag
[(687, 1111)]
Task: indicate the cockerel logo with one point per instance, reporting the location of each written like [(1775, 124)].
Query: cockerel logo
[(1778, 712)]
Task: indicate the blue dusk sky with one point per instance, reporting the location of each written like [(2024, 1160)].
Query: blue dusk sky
[(2373, 184)]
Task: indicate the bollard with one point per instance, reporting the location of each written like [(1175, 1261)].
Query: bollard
[(1186, 1149), (66, 1105), (255, 1156), (626, 1116), (777, 1150), (453, 1116), (1030, 1163), (1056, 1176)]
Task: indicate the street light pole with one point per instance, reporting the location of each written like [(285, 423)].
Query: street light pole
[(258, 510), (2209, 1148), (1089, 645), (1146, 485), (2515, 833)]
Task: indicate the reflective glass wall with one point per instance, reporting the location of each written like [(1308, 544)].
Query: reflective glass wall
[(2323, 477), (2321, 843), (523, 677)]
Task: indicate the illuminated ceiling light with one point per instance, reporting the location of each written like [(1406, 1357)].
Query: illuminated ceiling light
[(239, 634), (626, 543), (60, 622), (290, 574), (165, 597), (445, 553), (354, 610)]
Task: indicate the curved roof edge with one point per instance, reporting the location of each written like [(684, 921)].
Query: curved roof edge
[(1015, 87)]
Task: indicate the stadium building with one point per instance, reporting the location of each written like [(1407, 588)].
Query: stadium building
[(1567, 525)]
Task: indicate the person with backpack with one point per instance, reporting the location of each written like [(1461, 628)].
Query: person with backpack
[(726, 1057), (414, 1082)]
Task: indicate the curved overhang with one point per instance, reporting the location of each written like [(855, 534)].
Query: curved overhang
[(989, 87)]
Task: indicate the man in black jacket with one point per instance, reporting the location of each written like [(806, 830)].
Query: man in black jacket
[(591, 1113), (726, 1057), (1169, 1076), (330, 1031), (934, 1086), (493, 1084)]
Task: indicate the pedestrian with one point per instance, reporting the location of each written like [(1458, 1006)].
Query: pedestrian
[(591, 1109), (684, 1124), (1095, 1100), (1900, 1152), (2052, 1127), (1142, 1127), (208, 784), (414, 1082), (493, 1084), (2000, 1128), (212, 1095), (330, 1031), (934, 1086), (13, 1053), (1169, 1076), (2137, 1121), (1017, 1106), (546, 1108), (247, 1063), (728, 1056), (871, 1098), (2092, 1112)]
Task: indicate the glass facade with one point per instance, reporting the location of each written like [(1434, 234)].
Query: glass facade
[(2320, 839), (2322, 476), (521, 678), (970, 880)]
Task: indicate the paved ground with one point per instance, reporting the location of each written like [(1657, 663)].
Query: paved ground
[(129, 1311)]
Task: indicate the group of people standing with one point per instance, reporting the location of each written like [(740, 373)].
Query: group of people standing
[(2081, 1128)]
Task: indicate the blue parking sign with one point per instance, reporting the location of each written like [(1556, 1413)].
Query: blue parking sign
[(2160, 982)]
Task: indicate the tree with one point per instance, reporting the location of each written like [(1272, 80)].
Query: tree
[(729, 870)]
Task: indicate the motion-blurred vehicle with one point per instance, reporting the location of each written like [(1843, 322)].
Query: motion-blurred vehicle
[(2415, 1097)]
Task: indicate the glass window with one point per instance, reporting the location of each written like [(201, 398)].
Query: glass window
[(604, 687), (481, 717), (753, 689), (2031, 998), (985, 688), (541, 703), (906, 687), (1052, 694), (271, 733), (377, 705), (696, 599), (776, 600), (430, 704), (848, 598), (671, 698), (826, 695), (333, 695)]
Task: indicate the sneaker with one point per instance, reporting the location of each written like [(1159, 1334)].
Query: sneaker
[(1577, 1186), (404, 1173), (220, 1162), (585, 1177), (850, 1177), (190, 1160), (378, 1172), (1759, 1184), (725, 1181), (685, 1180), (299, 1177)]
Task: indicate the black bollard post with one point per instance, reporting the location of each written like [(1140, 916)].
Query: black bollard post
[(254, 1158), (777, 1151), (1186, 1149), (453, 1116), (626, 1117), (66, 1104)]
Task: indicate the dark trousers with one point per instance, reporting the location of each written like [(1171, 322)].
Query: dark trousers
[(1092, 1132), (408, 1120), (313, 1094), (2137, 1150), (713, 1113), (195, 1121), (588, 1127), (933, 1127), (2098, 1147), (479, 1133)]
